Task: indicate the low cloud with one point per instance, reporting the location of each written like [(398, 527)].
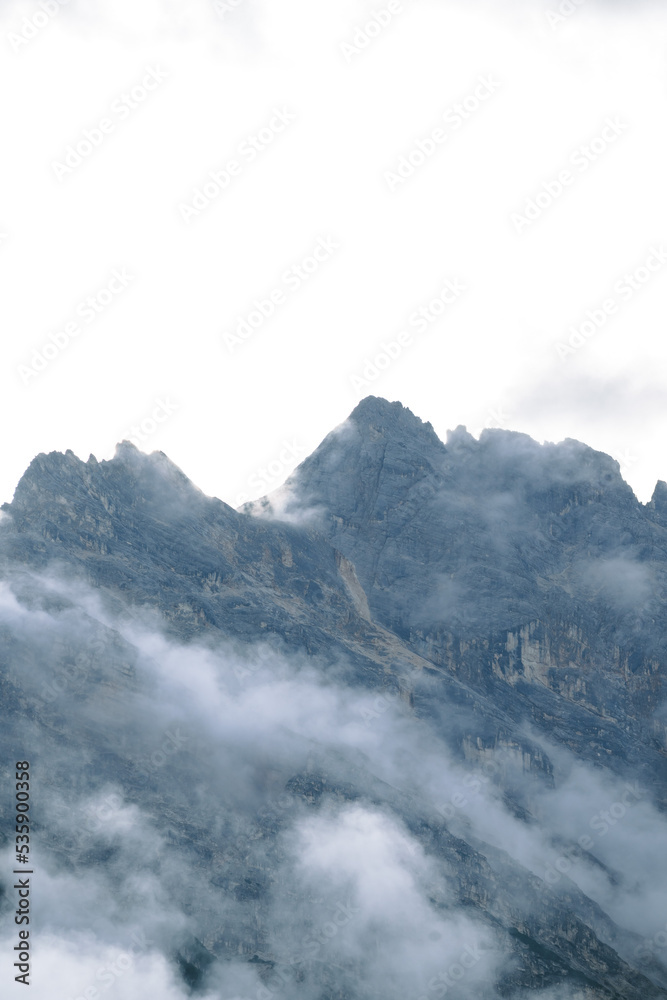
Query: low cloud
[(252, 801)]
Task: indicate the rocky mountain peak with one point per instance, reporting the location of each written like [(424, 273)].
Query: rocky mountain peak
[(55, 479), (460, 438), (454, 663), (393, 419)]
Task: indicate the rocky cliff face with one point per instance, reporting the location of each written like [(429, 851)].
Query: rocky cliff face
[(395, 731), (527, 571)]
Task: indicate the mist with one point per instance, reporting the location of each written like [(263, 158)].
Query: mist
[(292, 785)]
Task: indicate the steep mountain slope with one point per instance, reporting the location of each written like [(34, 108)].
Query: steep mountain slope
[(528, 571), (326, 752)]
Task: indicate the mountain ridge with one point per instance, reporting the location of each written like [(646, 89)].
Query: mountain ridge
[(467, 615)]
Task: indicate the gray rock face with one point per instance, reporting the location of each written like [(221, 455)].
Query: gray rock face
[(358, 727), (530, 572)]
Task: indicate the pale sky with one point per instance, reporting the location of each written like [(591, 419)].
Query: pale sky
[(309, 113)]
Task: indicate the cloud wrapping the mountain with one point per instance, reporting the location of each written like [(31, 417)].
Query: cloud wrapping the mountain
[(223, 729)]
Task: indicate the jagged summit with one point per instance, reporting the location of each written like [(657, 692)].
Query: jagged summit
[(499, 599), (125, 449), (382, 438), (378, 413), (65, 478), (478, 535), (377, 438), (385, 456), (460, 437), (377, 427)]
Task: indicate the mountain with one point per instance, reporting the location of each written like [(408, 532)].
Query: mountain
[(528, 571), (396, 730)]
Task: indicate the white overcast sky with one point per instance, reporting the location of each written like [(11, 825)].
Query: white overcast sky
[(490, 360)]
